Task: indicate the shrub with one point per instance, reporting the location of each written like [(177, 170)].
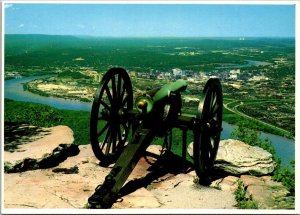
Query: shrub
[(244, 202), (286, 177)]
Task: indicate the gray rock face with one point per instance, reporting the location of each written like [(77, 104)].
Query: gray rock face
[(236, 157)]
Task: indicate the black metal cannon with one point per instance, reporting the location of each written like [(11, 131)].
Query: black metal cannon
[(121, 129)]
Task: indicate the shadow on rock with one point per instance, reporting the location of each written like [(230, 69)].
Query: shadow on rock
[(58, 155), (168, 163), (17, 133)]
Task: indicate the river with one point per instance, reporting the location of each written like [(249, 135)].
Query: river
[(13, 89), (248, 64)]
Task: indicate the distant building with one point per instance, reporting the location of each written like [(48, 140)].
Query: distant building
[(235, 71), (233, 76), (259, 78), (177, 72)]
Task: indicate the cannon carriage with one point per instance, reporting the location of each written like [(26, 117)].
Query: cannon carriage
[(122, 128)]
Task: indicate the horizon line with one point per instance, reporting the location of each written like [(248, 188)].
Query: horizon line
[(145, 37)]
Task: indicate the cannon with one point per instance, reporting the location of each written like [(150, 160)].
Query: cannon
[(121, 129)]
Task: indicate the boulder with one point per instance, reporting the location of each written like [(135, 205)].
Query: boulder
[(236, 158)]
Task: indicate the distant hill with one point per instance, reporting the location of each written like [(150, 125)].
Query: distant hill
[(144, 53)]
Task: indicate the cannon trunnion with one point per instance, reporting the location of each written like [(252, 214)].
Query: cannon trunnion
[(121, 129)]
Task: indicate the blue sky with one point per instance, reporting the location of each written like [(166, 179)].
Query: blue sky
[(151, 20)]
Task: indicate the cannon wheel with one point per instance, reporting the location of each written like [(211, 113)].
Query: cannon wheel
[(207, 136), (109, 127)]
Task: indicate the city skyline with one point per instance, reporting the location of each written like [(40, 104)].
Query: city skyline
[(151, 20)]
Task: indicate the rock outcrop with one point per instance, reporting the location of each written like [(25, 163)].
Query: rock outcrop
[(237, 158), (158, 181), (74, 180), (229, 183), (268, 193)]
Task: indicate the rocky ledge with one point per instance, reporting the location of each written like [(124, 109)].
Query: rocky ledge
[(72, 173)]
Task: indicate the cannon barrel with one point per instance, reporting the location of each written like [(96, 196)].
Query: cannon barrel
[(145, 103)]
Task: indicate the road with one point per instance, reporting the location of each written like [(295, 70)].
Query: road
[(236, 111)]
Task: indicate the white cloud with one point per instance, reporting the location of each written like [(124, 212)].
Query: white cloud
[(7, 6), (21, 25)]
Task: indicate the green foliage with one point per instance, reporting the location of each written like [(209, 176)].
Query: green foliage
[(45, 116), (244, 201), (251, 137), (132, 53), (233, 118), (35, 114), (286, 176)]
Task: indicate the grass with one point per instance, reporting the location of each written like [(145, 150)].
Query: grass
[(45, 116)]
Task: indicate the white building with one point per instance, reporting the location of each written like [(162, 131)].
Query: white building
[(235, 71), (177, 71), (259, 78), (233, 76)]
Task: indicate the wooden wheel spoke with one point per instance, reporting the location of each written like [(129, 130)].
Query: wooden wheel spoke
[(104, 104), (109, 144), (215, 109), (205, 155), (102, 117), (125, 100), (103, 129), (213, 100), (213, 124), (106, 138), (214, 103), (122, 93), (119, 86), (125, 127), (114, 142), (208, 143), (114, 89), (108, 93), (119, 133)]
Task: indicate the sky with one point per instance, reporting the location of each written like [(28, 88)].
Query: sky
[(151, 20)]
